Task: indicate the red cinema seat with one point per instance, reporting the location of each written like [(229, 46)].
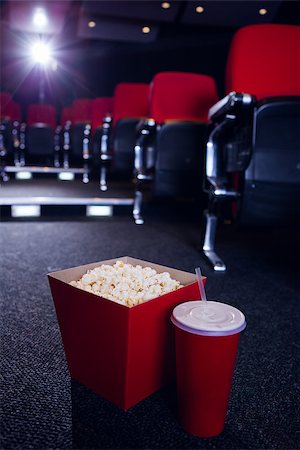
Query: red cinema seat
[(62, 138), (179, 102), (182, 96), (17, 112), (175, 135), (10, 134), (131, 100), (41, 123), (66, 115), (101, 107), (131, 104), (41, 113), (81, 129), (80, 136), (253, 149), (263, 61), (18, 134), (82, 111), (5, 109)]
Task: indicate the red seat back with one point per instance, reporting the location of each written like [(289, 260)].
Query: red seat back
[(5, 105), (16, 112), (41, 113), (82, 110), (182, 96), (264, 61), (131, 100), (101, 107), (66, 115)]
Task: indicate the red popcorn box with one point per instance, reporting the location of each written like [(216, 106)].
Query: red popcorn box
[(122, 353)]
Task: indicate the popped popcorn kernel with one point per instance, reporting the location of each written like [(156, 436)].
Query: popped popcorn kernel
[(126, 284)]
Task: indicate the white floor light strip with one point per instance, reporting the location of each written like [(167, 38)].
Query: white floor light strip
[(25, 210), (99, 211), (23, 175), (66, 176)]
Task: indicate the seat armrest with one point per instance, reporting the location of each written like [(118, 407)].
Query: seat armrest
[(105, 153), (16, 134), (23, 128), (57, 137), (233, 103), (107, 119), (146, 131), (86, 141), (215, 170), (145, 124)]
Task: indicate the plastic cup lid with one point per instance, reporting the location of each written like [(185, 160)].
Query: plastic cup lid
[(208, 318)]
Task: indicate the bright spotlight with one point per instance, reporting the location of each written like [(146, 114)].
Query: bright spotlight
[(40, 19), (41, 53)]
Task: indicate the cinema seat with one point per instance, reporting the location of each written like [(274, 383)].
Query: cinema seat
[(6, 110), (131, 104), (5, 99), (18, 134), (102, 108), (10, 112), (40, 127), (81, 134), (170, 146), (63, 138), (252, 156), (12, 135)]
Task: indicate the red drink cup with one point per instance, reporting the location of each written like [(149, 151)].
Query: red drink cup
[(207, 337)]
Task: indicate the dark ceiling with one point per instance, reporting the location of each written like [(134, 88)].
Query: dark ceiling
[(92, 60), (122, 21)]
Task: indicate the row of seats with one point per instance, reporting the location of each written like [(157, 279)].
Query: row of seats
[(106, 128), (252, 140), (253, 149), (10, 123), (251, 163), (39, 139)]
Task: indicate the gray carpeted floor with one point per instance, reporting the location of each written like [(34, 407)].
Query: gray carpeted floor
[(42, 408)]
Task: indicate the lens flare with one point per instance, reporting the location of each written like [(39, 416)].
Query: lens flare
[(41, 53)]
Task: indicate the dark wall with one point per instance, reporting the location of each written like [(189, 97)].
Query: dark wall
[(204, 52), (91, 68)]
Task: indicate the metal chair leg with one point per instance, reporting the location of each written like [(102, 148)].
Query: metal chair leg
[(66, 164), (209, 242), (137, 208), (85, 177), (17, 157), (103, 179), (56, 159)]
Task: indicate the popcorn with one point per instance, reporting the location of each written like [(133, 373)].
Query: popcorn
[(126, 284)]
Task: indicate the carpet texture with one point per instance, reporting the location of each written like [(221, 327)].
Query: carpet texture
[(43, 408)]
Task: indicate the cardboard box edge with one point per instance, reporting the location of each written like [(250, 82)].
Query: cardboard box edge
[(81, 269)]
